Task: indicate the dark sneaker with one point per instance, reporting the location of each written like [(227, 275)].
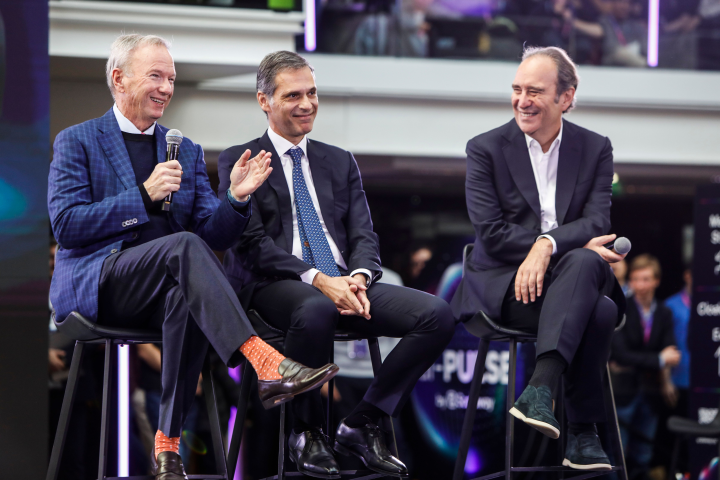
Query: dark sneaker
[(535, 407), (584, 452)]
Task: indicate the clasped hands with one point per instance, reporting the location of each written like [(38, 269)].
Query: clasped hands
[(347, 293), (531, 274), (246, 176)]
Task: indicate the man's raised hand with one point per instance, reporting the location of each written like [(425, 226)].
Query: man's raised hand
[(248, 174), (164, 179)]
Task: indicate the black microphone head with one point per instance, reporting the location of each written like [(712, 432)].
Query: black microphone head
[(622, 245), (174, 137)]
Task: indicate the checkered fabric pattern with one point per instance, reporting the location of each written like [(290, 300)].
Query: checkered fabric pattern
[(315, 247), (95, 206)]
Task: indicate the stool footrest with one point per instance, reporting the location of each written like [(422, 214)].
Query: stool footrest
[(583, 474), (152, 477), (353, 474)]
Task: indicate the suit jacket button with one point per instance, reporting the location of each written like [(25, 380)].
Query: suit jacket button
[(114, 250)]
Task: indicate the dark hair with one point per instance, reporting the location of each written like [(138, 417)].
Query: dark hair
[(275, 63), (567, 77)]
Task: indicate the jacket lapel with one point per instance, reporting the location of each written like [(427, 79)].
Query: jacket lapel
[(278, 182), (322, 178), (113, 144), (518, 161), (568, 167)]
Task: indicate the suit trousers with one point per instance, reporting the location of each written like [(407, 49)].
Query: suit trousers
[(424, 322), (176, 284), (574, 317)]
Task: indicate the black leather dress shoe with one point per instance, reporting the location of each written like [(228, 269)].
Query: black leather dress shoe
[(310, 452), (296, 379), (167, 466), (368, 443)]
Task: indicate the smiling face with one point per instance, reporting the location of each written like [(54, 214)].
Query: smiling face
[(144, 89), (538, 110), (291, 111)]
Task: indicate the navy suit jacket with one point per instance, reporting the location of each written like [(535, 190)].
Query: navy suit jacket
[(504, 208), (264, 252), (95, 206)]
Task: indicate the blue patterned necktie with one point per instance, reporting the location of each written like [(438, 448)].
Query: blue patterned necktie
[(315, 247)]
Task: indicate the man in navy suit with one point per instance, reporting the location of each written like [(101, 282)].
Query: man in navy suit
[(123, 261), (308, 262), (538, 194)]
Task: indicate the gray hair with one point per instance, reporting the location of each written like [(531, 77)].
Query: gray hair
[(567, 77), (273, 64), (121, 52)]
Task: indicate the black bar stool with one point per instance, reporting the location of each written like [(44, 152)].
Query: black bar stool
[(276, 338), (488, 331), (687, 428), (86, 332)]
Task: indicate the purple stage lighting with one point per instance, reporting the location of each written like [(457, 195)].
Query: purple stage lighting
[(123, 410), (653, 32), (310, 27)]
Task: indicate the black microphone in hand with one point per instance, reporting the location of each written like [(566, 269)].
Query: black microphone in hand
[(620, 245), (174, 138)]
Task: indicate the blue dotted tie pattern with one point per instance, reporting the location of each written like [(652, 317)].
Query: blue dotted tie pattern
[(315, 247)]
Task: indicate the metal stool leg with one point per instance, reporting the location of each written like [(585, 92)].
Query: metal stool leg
[(615, 428), (211, 405), (376, 360), (509, 419), (470, 412), (105, 422), (560, 416), (281, 452), (329, 430), (66, 410), (240, 416)]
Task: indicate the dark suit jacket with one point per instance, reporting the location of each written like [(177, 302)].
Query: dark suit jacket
[(639, 362), (504, 208), (264, 252)]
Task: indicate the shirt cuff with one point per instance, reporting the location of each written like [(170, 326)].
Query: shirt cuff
[(662, 362), (552, 240), (240, 207), (309, 275), (365, 272), (145, 197)]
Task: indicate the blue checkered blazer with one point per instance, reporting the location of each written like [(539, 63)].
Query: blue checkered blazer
[(92, 193)]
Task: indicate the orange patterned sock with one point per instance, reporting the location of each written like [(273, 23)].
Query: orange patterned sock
[(166, 444), (264, 358)]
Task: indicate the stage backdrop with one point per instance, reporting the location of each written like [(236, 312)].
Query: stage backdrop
[(24, 160), (704, 334)]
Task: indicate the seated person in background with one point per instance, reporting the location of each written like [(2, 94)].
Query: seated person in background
[(642, 354), (582, 16), (309, 263), (124, 262), (624, 37), (538, 193), (620, 271)]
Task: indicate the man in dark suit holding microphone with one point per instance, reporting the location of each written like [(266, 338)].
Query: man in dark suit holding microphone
[(124, 261), (308, 262), (538, 194)]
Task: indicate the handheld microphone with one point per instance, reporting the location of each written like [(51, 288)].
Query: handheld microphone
[(620, 245), (173, 138)]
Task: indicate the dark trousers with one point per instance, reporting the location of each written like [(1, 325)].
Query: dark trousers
[(424, 322), (574, 317), (175, 283)]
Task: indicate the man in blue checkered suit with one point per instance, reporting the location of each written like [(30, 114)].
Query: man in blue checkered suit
[(124, 261)]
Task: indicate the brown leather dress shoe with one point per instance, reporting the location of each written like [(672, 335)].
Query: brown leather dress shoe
[(296, 379), (167, 466)]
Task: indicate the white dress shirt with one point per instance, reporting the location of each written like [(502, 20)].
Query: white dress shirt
[(545, 166), (127, 126), (282, 145)]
